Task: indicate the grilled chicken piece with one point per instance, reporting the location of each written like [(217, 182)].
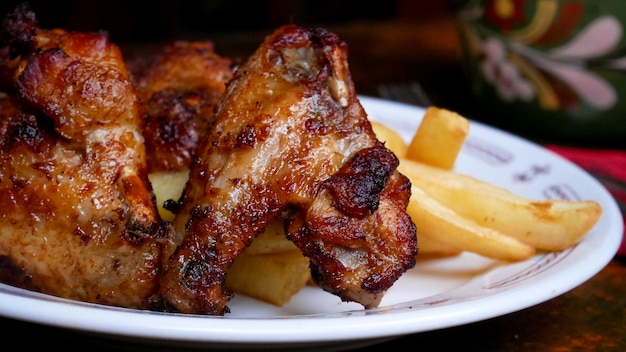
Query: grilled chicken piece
[(290, 138), (179, 89), (78, 214)]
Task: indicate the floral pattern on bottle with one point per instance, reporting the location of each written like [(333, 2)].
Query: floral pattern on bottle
[(543, 50)]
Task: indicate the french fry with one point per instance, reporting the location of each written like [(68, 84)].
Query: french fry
[(392, 139), (544, 224), (438, 221), (272, 278), (430, 247), (439, 138), (168, 185)]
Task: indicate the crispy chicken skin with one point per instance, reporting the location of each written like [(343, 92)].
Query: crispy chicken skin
[(78, 214), (179, 89), (289, 138)]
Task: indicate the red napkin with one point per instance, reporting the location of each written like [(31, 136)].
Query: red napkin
[(608, 165)]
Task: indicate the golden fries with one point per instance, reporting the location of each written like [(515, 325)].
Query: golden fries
[(544, 224), (431, 247), (168, 185), (455, 212), (437, 221), (439, 138), (273, 278)]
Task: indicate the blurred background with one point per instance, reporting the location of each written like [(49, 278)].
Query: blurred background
[(169, 19), (238, 26), (390, 42)]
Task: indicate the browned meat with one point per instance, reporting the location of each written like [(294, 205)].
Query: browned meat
[(290, 138), (179, 90), (78, 214)]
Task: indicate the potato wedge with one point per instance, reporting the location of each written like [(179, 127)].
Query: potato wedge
[(438, 221), (439, 138), (272, 278), (392, 139), (544, 224)]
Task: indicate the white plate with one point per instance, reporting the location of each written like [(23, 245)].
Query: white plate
[(436, 294)]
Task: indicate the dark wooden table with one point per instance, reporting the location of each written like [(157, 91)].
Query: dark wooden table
[(591, 317)]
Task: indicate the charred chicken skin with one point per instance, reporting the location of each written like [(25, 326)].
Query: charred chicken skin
[(78, 214), (179, 89), (289, 138)]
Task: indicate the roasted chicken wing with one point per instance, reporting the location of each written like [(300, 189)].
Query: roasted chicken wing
[(179, 89), (290, 139), (78, 214)]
